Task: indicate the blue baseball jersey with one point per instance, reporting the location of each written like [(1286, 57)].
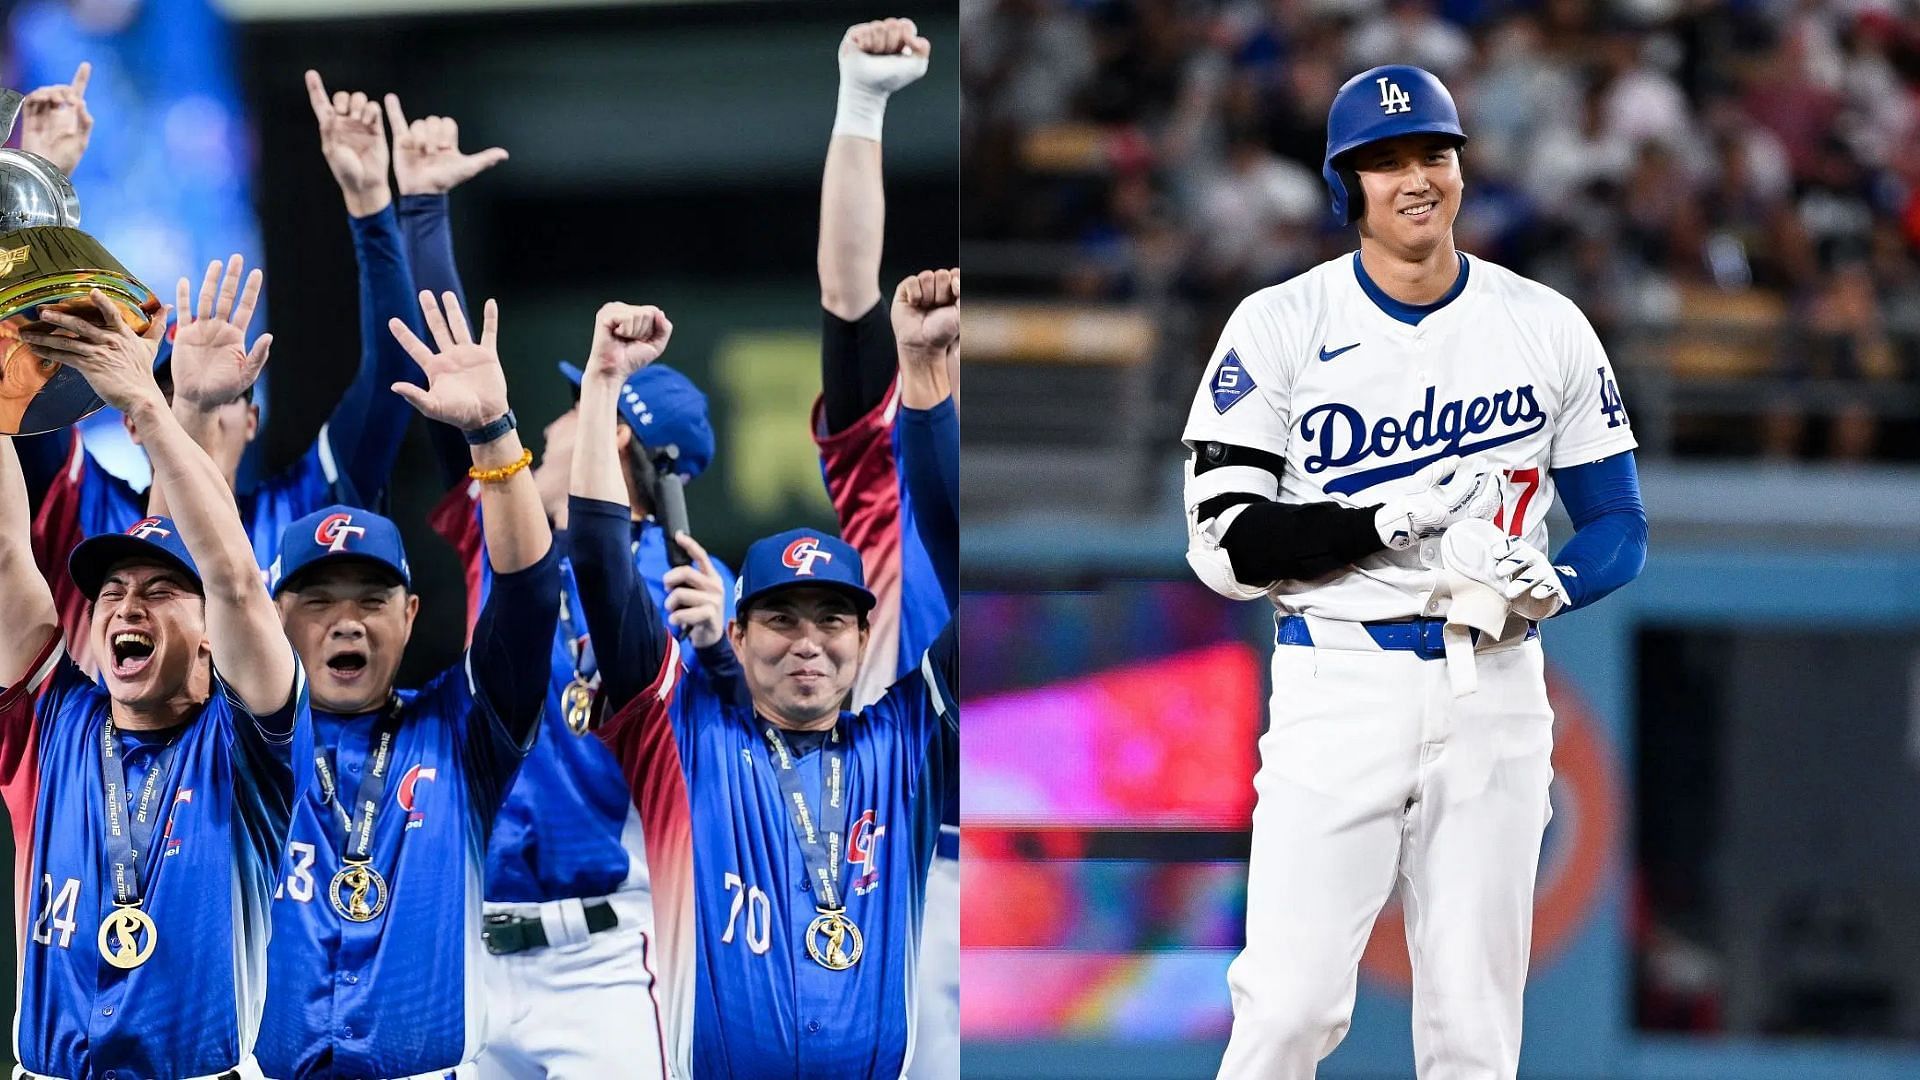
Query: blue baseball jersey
[(732, 902), (568, 828), (86, 500), (401, 993), (193, 1007), (861, 468)]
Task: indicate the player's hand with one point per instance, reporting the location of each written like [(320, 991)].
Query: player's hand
[(626, 338), (696, 596), (116, 360), (465, 385), (926, 315), (354, 141), (1451, 489), (1526, 577), (55, 123), (426, 153), (212, 365), (882, 56)]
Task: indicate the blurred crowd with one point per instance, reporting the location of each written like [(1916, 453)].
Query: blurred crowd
[(1730, 190)]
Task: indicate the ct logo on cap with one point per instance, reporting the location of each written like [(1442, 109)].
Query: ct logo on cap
[(802, 554), (335, 530), (148, 528)]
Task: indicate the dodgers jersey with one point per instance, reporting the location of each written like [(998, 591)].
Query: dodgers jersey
[(568, 828), (731, 898), (86, 500), (193, 1008), (1356, 401)]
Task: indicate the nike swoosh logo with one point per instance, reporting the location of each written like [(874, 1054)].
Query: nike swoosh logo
[(1325, 355)]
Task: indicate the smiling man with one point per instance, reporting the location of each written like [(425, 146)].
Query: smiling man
[(374, 966), (788, 839), (1375, 447), (150, 809)]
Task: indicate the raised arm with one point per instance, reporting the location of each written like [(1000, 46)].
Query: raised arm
[(55, 123), (876, 58), (212, 369), (926, 322), (627, 636), (427, 164), (31, 617), (367, 425), (249, 648)]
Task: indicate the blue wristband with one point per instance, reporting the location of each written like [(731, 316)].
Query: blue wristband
[(483, 435)]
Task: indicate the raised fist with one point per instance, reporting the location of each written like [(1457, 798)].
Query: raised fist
[(55, 123), (926, 312), (426, 153), (884, 55), (626, 338)]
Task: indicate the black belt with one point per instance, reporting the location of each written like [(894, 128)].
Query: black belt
[(508, 934)]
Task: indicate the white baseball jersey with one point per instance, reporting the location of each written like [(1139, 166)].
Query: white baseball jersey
[(1356, 401)]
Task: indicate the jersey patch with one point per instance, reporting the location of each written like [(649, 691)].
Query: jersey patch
[(1345, 437), (1231, 382)]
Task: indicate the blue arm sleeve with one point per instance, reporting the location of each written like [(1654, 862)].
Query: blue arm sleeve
[(367, 425), (423, 218), (930, 465), (629, 635), (41, 458), (1609, 543), (511, 659)]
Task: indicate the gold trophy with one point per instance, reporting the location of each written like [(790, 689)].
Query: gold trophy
[(46, 261)]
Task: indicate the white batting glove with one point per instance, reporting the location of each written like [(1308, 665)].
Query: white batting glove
[(1527, 579), (876, 58), (1451, 489)]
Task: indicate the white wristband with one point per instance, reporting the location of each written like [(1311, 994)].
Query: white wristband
[(861, 111)]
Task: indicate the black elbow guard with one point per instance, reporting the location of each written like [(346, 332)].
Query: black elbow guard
[(1273, 541)]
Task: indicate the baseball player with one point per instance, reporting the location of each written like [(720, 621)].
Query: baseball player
[(855, 426), (149, 810), (570, 953), (787, 839), (374, 964), (209, 379), (1374, 447)]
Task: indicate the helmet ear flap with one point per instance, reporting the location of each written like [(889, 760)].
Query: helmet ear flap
[(1356, 195)]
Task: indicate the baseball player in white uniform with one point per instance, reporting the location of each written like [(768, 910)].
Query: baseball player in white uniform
[(1375, 447)]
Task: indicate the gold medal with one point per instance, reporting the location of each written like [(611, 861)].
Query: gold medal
[(578, 702), (358, 892), (833, 941), (127, 937)]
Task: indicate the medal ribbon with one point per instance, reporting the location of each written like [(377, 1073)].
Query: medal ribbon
[(822, 837), (127, 839), (357, 834)]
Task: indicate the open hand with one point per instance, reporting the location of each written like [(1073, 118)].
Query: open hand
[(626, 338), (465, 385), (212, 365)]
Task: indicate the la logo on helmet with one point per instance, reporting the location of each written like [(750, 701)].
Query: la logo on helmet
[(148, 528), (335, 530), (802, 554), (1392, 98)]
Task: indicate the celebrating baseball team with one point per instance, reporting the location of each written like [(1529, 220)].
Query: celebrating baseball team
[(665, 818)]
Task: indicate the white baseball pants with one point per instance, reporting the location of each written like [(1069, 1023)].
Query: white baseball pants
[(1374, 777)]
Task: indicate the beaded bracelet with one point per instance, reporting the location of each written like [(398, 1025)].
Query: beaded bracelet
[(495, 476)]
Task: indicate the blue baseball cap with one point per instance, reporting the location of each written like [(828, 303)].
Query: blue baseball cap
[(334, 534), (154, 539), (664, 409), (800, 558)]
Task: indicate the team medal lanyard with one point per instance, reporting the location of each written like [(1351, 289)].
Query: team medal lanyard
[(357, 890), (128, 934), (832, 939), (577, 699)]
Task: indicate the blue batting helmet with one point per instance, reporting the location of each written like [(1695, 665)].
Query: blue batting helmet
[(1381, 103)]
